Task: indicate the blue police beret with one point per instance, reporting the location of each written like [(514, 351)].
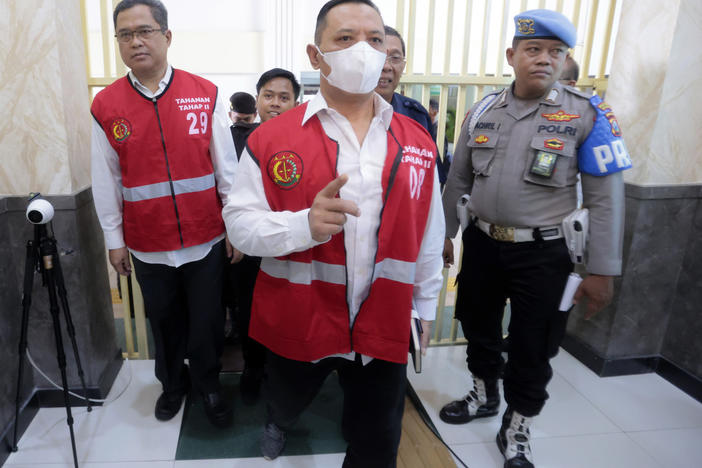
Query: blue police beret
[(539, 24)]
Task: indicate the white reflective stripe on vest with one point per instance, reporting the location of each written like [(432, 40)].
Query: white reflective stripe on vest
[(163, 189), (304, 273), (396, 270)]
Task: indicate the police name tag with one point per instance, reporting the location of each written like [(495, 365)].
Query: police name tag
[(544, 163)]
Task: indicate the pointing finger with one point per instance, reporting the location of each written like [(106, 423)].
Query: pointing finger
[(334, 186), (343, 206)]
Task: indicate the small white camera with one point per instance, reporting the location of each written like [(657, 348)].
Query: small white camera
[(39, 211)]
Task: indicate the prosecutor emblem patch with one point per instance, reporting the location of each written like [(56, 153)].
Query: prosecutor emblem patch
[(480, 139), (285, 169), (121, 129), (560, 116), (554, 144)]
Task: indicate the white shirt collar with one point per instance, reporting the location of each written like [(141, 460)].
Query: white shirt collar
[(161, 84), (382, 109)]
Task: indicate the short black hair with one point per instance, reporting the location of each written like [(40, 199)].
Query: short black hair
[(243, 103), (389, 31), (158, 11), (433, 104), (322, 16), (278, 73), (571, 70)]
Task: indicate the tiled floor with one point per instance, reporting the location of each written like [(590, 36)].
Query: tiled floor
[(637, 421), (589, 422)]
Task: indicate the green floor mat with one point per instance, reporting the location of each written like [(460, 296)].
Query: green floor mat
[(317, 431), (448, 319)]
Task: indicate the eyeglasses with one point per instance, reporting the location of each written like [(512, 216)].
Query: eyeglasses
[(395, 60), (141, 33)]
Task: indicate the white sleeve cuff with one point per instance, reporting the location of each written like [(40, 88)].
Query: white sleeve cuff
[(300, 233), (114, 239), (426, 308)]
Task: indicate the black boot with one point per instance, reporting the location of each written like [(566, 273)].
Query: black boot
[(513, 440), (481, 402)]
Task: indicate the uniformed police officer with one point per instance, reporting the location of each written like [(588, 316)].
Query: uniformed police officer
[(518, 156)]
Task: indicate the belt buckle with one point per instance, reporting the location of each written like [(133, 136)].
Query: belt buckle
[(501, 233)]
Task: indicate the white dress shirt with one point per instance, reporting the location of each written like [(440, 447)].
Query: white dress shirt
[(107, 181), (256, 230)]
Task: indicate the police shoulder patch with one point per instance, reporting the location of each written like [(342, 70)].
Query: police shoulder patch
[(285, 169), (603, 152)]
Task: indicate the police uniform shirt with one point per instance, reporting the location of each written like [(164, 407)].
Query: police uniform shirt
[(495, 165)]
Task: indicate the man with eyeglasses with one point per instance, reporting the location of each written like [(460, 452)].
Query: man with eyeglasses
[(390, 80), (162, 165), (388, 83)]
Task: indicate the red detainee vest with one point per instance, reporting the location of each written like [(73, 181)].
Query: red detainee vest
[(168, 183), (300, 308)]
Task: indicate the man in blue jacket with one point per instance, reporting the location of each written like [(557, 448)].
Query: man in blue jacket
[(388, 83), (390, 80)]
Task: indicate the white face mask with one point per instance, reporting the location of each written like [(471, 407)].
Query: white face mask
[(355, 69)]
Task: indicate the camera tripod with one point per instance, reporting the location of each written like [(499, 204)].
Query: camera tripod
[(42, 255)]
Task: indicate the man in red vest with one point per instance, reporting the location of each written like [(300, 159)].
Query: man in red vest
[(340, 197), (162, 164)]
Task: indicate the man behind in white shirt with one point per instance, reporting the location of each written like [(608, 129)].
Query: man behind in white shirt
[(277, 91), (162, 164), (334, 246)]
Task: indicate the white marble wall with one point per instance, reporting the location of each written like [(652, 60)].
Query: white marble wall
[(45, 134), (655, 89)]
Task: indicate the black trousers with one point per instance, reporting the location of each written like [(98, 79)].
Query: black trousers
[(374, 400), (533, 275), (239, 289), (184, 306)]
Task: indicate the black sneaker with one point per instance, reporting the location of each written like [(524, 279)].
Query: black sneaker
[(481, 402), (272, 441), (513, 440), (217, 410)]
